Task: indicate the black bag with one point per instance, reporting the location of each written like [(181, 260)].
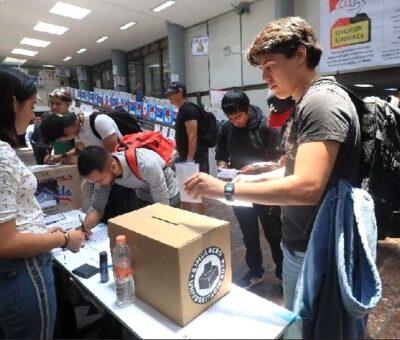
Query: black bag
[(208, 128), (127, 124), (380, 159)]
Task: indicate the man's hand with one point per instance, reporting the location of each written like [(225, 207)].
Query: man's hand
[(52, 159), (204, 185)]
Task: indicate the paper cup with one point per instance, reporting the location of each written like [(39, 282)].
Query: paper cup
[(183, 172)]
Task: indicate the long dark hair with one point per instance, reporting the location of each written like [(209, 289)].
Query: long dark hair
[(17, 84)]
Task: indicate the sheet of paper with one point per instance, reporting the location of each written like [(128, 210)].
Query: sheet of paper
[(227, 174), (67, 220), (235, 203)]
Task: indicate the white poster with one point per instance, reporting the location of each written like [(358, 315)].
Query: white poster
[(61, 71), (82, 75), (359, 33), (200, 45), (216, 97)]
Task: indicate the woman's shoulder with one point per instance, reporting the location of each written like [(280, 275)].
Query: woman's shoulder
[(8, 158)]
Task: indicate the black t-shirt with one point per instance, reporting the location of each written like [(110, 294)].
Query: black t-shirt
[(186, 112), (326, 112)]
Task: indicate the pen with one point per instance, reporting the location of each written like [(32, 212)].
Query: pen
[(83, 227)]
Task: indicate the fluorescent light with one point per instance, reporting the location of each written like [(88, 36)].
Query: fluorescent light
[(12, 60), (50, 28), (164, 6), (24, 52), (81, 50), (35, 42), (70, 11), (391, 89), (67, 58), (48, 66), (127, 25), (100, 40), (363, 85)]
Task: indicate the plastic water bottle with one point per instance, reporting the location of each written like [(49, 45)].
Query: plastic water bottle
[(124, 283)]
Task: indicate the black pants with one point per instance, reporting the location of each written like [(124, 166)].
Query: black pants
[(121, 201), (173, 202), (269, 217)]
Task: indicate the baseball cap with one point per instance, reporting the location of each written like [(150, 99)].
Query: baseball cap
[(175, 87), (279, 109)]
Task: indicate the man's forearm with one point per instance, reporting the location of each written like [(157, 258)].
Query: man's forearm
[(192, 147), (93, 217)]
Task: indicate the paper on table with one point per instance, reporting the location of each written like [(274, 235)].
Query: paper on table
[(235, 203), (66, 220)]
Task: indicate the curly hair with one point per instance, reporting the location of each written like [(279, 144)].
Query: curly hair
[(284, 36)]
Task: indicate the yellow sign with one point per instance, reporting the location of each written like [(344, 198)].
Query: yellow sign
[(350, 34)]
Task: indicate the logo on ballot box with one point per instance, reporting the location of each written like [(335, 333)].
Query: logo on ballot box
[(207, 275)]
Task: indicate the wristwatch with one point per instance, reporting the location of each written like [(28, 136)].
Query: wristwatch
[(229, 190)]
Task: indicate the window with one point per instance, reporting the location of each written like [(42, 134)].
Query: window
[(135, 73), (166, 69), (152, 75)]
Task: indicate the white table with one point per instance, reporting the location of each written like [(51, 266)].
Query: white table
[(238, 315)]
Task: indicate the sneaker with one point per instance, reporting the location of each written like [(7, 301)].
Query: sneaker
[(250, 280)]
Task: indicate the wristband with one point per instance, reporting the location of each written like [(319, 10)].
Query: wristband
[(66, 237)]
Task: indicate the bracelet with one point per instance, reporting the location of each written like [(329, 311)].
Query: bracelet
[(66, 237)]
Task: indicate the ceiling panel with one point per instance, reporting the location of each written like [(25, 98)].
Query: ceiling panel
[(18, 17)]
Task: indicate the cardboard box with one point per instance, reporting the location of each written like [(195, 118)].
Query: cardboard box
[(181, 260), (59, 188)]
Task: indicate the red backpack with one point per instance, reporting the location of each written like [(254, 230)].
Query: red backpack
[(150, 140)]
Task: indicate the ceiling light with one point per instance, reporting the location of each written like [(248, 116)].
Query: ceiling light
[(50, 28), (35, 42), (127, 25), (70, 11), (81, 50), (67, 58), (24, 52), (164, 6), (11, 60), (100, 40), (48, 66), (391, 89), (363, 85)]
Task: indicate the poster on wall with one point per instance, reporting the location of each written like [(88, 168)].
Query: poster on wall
[(62, 72), (200, 46), (359, 34)]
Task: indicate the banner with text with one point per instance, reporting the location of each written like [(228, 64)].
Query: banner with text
[(359, 33)]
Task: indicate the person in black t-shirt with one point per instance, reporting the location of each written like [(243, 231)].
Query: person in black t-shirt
[(187, 127)]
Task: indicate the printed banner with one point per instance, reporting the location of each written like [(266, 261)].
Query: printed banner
[(200, 45), (359, 33)]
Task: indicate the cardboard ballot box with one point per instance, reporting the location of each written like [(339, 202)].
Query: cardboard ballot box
[(181, 260), (59, 188)]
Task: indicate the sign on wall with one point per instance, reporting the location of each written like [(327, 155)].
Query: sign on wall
[(200, 45), (359, 33)]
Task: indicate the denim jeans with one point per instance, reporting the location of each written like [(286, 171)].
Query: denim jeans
[(27, 298), (248, 218), (292, 264)]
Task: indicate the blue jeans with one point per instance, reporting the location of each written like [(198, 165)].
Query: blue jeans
[(291, 267), (27, 298)]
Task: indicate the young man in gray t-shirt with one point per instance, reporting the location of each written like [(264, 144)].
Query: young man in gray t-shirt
[(322, 145), (157, 182)]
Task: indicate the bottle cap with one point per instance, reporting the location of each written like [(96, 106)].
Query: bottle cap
[(103, 256), (121, 239)]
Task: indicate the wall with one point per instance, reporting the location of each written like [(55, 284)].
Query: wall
[(220, 69)]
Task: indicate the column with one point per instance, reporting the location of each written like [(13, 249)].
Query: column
[(284, 8), (176, 52), (119, 70)]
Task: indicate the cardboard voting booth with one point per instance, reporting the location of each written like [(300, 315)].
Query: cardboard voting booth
[(181, 260)]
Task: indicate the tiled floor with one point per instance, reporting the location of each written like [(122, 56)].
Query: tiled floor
[(384, 321)]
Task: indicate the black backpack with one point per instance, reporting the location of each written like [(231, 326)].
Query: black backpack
[(380, 159), (127, 124), (208, 128)]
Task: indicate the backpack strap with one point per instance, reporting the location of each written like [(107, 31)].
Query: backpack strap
[(92, 119), (130, 156)]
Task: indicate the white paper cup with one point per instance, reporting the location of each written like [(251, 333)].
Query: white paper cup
[(183, 172)]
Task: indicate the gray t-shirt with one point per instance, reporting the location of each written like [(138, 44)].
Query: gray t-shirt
[(325, 112), (159, 184)]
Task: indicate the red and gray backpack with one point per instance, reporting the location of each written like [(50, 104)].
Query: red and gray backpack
[(154, 141)]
